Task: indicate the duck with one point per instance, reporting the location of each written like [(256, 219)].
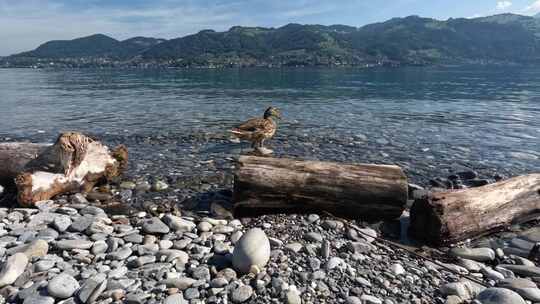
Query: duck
[(259, 129)]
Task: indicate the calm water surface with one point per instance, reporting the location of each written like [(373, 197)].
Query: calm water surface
[(486, 117)]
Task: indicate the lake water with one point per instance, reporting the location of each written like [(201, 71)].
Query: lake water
[(428, 120)]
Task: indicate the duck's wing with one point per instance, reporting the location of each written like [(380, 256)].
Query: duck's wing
[(252, 125)]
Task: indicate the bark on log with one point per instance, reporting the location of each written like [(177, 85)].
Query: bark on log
[(447, 217), (278, 185), (75, 162)]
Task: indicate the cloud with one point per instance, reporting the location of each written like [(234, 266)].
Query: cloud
[(502, 5), (475, 16), (29, 23), (533, 8)]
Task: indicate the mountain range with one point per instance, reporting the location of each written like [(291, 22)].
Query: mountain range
[(413, 40)]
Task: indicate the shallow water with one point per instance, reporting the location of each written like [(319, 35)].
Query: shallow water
[(425, 119)]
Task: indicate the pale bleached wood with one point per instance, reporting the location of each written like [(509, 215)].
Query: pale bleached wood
[(354, 190), (73, 163), (455, 215)]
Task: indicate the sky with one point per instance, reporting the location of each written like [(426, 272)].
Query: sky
[(25, 24)]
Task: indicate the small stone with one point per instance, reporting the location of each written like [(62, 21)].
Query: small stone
[(363, 282), (242, 293), (465, 289), (44, 265), (99, 227), (155, 225), (314, 237), (81, 223), (524, 287), (191, 293), (38, 299), (219, 282), (332, 225), (314, 263), (120, 254), (492, 274), (238, 234), (499, 296), (526, 271), (165, 244), (353, 300), (312, 218), (293, 297), (181, 283), (178, 224), (143, 186), (368, 299), (13, 268), (325, 249), (175, 299), (397, 269), (62, 286), (99, 247), (160, 186), (253, 249), (37, 248), (201, 273), (92, 288), (78, 198), (128, 185), (74, 244), (367, 234), (61, 222), (204, 226), (294, 247), (475, 254), (118, 294), (333, 263), (453, 300)]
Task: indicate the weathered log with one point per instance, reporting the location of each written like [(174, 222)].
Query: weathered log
[(447, 217), (270, 185), (74, 163)]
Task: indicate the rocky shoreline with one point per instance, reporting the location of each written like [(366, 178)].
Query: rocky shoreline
[(71, 251), (165, 234)]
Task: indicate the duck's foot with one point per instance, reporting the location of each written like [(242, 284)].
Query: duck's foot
[(263, 151)]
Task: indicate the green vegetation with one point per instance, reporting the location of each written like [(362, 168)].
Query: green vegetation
[(505, 38)]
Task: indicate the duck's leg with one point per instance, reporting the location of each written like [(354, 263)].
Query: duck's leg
[(262, 149)]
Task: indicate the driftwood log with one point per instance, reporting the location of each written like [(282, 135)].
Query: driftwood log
[(447, 217), (276, 185), (75, 162)]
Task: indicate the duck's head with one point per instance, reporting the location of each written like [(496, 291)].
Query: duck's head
[(272, 112)]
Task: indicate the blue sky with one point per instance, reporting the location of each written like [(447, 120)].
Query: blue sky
[(24, 24)]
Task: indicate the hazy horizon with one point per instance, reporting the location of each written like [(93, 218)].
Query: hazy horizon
[(29, 23)]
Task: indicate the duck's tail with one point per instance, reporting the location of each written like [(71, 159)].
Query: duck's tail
[(241, 133)]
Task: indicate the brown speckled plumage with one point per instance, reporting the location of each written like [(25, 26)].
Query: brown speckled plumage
[(257, 130)]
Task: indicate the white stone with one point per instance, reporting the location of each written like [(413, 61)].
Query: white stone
[(178, 224), (397, 269), (176, 298), (253, 249), (464, 289), (62, 286), (13, 268), (475, 254)]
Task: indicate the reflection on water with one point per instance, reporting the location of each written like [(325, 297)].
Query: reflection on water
[(489, 114)]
